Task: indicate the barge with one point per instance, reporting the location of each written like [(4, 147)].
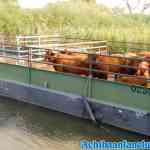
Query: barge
[(103, 101)]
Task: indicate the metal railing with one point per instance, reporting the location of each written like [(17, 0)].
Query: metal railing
[(24, 55), (28, 58)]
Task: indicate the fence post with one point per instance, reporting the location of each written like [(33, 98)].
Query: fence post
[(18, 49), (39, 51), (39, 41), (29, 64), (92, 57), (3, 46)]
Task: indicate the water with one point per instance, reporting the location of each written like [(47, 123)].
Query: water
[(27, 127)]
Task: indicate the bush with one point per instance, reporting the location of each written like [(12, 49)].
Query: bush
[(76, 19)]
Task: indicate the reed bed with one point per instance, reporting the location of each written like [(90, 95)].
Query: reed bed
[(76, 19)]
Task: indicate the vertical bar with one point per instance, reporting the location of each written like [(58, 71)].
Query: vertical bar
[(92, 57), (90, 64), (39, 50), (3, 46), (29, 64), (18, 49), (107, 48), (39, 41)]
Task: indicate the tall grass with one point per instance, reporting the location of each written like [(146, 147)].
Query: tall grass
[(76, 19)]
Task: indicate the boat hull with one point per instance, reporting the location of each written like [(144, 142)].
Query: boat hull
[(116, 115)]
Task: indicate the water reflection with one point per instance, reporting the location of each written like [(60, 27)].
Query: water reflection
[(27, 127)]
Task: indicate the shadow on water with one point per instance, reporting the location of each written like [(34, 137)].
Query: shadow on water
[(24, 125)]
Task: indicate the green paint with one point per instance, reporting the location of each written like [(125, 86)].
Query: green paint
[(14, 72), (116, 93)]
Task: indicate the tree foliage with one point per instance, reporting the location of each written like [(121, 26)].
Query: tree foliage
[(82, 19)]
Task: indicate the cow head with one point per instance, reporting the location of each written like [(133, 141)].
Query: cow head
[(50, 56), (143, 69)]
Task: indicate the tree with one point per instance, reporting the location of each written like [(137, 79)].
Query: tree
[(7, 3), (137, 5)]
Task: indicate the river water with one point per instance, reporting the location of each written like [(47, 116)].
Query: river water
[(27, 127)]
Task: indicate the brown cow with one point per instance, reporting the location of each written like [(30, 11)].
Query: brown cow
[(136, 67), (108, 64), (139, 68), (132, 80), (132, 65), (126, 61), (145, 54), (140, 78), (143, 69), (76, 63)]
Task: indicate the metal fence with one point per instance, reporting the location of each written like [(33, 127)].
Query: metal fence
[(29, 51)]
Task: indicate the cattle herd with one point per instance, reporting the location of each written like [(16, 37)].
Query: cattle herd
[(131, 67)]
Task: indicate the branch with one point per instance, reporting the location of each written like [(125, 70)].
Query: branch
[(128, 6), (146, 6)]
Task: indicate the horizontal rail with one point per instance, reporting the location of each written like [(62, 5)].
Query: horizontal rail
[(131, 48), (29, 65), (93, 70), (134, 43), (83, 43), (39, 36), (25, 49), (102, 63)]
